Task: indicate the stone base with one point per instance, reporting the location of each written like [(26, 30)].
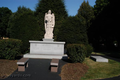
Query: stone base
[(42, 56), (99, 59), (51, 40), (46, 47)]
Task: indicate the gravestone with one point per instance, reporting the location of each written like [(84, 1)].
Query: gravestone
[(48, 48), (99, 59)]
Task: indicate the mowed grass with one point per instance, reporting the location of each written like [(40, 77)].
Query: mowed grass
[(101, 70), (90, 70)]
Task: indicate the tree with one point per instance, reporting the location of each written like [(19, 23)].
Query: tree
[(4, 19), (97, 33), (57, 7), (104, 29), (73, 31), (87, 12), (23, 25), (99, 6)]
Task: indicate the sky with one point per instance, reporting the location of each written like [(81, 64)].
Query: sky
[(72, 6)]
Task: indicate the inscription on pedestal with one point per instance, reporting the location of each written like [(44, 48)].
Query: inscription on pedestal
[(42, 47)]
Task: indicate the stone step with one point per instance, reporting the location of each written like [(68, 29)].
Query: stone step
[(99, 59), (42, 56)]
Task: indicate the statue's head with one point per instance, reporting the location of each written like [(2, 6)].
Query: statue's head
[(49, 12)]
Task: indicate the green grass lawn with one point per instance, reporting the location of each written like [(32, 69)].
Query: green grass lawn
[(98, 53), (100, 70)]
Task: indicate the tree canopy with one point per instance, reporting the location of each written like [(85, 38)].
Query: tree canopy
[(5, 13), (73, 31), (23, 25), (87, 12), (104, 30), (99, 6)]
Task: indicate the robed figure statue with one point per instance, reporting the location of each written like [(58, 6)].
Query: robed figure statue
[(49, 21)]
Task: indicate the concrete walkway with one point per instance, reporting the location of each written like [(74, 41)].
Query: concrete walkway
[(38, 69)]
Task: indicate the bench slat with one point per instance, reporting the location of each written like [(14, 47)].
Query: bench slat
[(22, 61)]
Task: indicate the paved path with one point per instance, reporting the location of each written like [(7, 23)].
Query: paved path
[(38, 69)]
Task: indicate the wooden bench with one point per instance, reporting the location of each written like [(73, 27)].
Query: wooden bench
[(54, 65), (22, 64)]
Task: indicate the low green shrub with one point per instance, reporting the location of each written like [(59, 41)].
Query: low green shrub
[(10, 48), (89, 50), (76, 52)]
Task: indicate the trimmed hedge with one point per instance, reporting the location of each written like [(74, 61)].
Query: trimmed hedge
[(76, 52), (89, 50), (10, 48)]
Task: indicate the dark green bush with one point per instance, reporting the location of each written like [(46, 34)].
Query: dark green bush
[(10, 48), (76, 52), (89, 50)]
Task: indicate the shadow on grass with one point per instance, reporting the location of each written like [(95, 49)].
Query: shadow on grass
[(114, 54), (109, 55), (67, 60), (18, 57)]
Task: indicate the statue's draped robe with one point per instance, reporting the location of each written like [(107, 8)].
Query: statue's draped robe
[(49, 25)]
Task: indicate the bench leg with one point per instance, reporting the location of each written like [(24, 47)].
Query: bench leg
[(21, 68), (54, 69), (27, 64)]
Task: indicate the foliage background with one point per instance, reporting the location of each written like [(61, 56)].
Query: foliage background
[(5, 13), (23, 25), (57, 7)]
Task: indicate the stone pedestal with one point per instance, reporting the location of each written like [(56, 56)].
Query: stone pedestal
[(46, 49), (50, 40)]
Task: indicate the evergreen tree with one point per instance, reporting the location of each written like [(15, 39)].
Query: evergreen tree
[(4, 19), (57, 7), (73, 31), (23, 25), (97, 33), (87, 12), (99, 6), (105, 27)]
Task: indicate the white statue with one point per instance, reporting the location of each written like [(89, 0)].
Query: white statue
[(49, 25)]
